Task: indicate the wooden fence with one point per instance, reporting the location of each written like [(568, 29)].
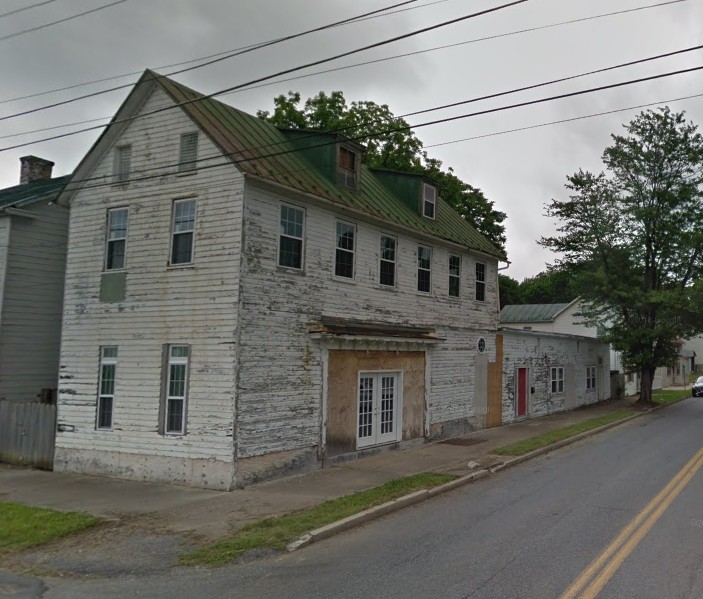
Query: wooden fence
[(27, 433)]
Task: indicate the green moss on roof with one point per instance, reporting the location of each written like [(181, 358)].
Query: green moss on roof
[(260, 149)]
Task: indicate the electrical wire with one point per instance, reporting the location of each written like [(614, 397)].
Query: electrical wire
[(233, 159), (297, 68), (367, 62), (467, 101), (81, 14), (19, 10), (358, 19)]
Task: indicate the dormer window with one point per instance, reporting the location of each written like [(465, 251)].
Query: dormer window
[(347, 167), (429, 201)]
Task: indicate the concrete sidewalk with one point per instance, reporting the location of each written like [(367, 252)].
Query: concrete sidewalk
[(203, 514)]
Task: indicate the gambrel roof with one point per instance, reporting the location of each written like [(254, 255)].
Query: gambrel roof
[(261, 150)]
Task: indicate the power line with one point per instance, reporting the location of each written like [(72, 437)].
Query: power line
[(451, 105), (81, 14), (234, 160), (359, 19), (561, 121), (368, 62), (220, 58), (18, 10), (293, 69)]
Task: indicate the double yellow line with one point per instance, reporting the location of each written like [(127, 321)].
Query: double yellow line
[(592, 580)]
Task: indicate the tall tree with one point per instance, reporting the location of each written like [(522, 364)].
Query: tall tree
[(400, 149), (508, 291), (555, 285), (637, 231)]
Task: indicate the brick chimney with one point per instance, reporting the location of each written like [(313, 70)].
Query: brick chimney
[(34, 169)]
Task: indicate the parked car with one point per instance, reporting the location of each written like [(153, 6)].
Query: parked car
[(697, 389)]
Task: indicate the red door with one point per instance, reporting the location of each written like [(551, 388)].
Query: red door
[(521, 391)]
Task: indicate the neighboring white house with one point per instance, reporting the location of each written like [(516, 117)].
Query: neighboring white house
[(33, 234), (235, 291), (551, 362)]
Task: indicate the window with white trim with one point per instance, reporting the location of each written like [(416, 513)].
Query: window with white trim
[(454, 275), (480, 282), (387, 263), (106, 388), (290, 245), (344, 252), (347, 167), (123, 163), (116, 238), (182, 232), (590, 377), (424, 269), (429, 201), (176, 389), (558, 379), (188, 152)]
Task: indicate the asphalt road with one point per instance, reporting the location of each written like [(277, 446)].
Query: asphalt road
[(528, 532)]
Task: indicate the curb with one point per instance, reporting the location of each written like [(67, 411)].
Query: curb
[(424, 494), (381, 510)]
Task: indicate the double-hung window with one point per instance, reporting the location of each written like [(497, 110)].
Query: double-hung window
[(106, 387), (429, 201), (558, 379), (182, 232), (387, 265), (188, 152), (590, 377), (344, 253), (290, 244), (123, 163), (480, 282), (176, 389), (116, 241), (454, 275), (424, 269)]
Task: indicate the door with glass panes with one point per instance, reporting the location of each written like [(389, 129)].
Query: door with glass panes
[(378, 408)]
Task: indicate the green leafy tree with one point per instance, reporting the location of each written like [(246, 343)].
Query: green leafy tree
[(509, 291), (556, 285), (399, 150), (636, 230)]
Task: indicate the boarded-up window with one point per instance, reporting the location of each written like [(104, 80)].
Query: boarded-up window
[(347, 168), (123, 163), (188, 156)]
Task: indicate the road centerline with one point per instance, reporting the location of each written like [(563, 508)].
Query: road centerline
[(597, 574)]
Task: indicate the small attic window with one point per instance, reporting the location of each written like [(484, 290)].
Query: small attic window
[(347, 167), (188, 152), (429, 201)]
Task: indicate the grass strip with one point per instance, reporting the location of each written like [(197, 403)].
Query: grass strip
[(22, 526), (277, 532), (528, 445), (664, 397)]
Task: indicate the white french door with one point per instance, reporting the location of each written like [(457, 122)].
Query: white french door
[(379, 408)]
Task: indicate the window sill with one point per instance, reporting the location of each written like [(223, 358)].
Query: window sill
[(344, 280), (291, 271), (189, 266), (392, 288), (186, 173)]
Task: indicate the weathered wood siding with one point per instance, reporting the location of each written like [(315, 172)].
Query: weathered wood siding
[(280, 378), (5, 225), (194, 305), (539, 353), (30, 323), (27, 430)]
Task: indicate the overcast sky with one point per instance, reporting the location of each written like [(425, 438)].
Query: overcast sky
[(519, 171)]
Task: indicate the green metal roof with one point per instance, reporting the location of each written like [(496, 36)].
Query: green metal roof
[(531, 312), (28, 193), (259, 148)]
